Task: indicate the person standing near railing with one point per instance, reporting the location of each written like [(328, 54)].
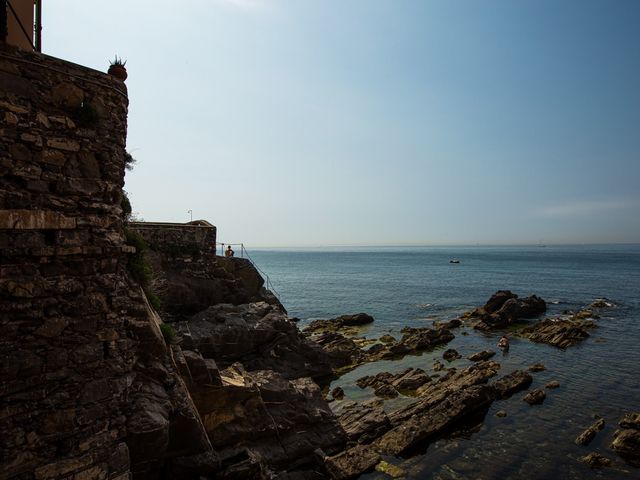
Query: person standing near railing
[(228, 252)]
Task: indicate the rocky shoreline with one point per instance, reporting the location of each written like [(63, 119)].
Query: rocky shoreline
[(256, 379)]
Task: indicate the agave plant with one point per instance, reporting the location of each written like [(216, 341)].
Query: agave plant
[(117, 68)]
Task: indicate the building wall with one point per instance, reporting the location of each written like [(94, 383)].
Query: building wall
[(15, 35)]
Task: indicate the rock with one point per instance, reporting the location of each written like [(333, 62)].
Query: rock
[(261, 335), (588, 435), (484, 355), (497, 300), (537, 367), (516, 381), (450, 355), (387, 384), (337, 393), (626, 443), (454, 323), (440, 406), (561, 333), (386, 391), (501, 413), (338, 323), (363, 422), (626, 440), (596, 460), (279, 420), (601, 303), (451, 410), (387, 339), (437, 366), (553, 384), (535, 397), (630, 420), (505, 308), (529, 307), (418, 339), (342, 352), (351, 463), (410, 379)]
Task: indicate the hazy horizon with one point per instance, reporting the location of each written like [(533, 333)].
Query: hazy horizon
[(288, 123)]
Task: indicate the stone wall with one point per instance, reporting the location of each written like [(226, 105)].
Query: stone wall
[(177, 236), (84, 371)]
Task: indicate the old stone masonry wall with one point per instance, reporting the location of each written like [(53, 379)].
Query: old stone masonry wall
[(72, 321), (64, 360)]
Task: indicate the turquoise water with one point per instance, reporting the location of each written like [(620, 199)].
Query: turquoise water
[(414, 286)]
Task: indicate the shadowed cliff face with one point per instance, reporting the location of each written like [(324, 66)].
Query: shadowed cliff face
[(244, 361)]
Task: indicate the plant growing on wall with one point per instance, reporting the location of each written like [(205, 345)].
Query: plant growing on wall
[(117, 68)]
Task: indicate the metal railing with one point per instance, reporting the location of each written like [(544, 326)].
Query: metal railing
[(245, 254)]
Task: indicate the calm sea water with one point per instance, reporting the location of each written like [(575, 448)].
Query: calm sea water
[(414, 286)]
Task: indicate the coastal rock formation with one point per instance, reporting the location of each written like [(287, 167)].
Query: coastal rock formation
[(535, 397), (363, 422), (341, 323), (439, 406), (505, 308), (258, 334), (596, 460), (409, 379), (589, 434), (568, 329), (626, 440), (561, 333), (483, 355), (345, 354), (342, 352), (451, 354)]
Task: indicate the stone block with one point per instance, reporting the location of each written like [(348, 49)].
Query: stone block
[(35, 219), (63, 144), (68, 95)]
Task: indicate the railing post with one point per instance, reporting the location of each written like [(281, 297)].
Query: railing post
[(38, 26)]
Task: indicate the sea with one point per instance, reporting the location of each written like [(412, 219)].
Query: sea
[(413, 286)]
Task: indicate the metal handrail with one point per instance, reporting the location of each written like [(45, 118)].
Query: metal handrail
[(244, 253)]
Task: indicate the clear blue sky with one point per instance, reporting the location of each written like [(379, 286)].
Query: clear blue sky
[(364, 122)]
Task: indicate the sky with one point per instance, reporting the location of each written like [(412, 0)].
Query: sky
[(375, 122)]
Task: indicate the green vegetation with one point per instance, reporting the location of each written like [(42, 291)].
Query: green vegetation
[(168, 333), (129, 161), (138, 265), (125, 204), (117, 61), (154, 300)]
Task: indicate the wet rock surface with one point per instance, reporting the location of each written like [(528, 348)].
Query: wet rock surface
[(535, 397), (561, 333), (409, 379), (340, 323), (439, 406), (626, 440), (596, 460), (589, 434), (484, 355)]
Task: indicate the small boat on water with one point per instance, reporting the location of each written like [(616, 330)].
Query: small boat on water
[(454, 261)]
